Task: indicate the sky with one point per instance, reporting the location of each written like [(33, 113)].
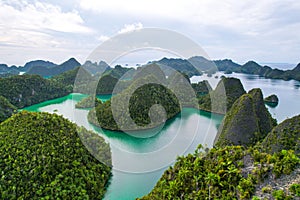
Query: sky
[(267, 31)]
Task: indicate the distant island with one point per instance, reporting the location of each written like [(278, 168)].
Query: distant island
[(194, 66), (253, 156)]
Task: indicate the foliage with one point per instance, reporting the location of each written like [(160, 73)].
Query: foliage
[(118, 71), (6, 109), (280, 195), (180, 85), (295, 189), (42, 157), (284, 136), (88, 102), (271, 100), (202, 87), (222, 98), (179, 65), (285, 161), (25, 90), (106, 84), (222, 173), (136, 103)]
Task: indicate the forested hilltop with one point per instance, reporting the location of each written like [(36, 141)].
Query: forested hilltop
[(266, 166), (44, 156), (133, 104)]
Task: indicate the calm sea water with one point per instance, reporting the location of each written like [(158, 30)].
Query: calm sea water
[(288, 92), (139, 162)]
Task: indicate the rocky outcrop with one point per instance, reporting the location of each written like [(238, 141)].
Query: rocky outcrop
[(247, 122), (284, 136), (222, 98), (272, 100)]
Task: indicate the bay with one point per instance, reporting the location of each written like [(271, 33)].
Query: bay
[(138, 162)]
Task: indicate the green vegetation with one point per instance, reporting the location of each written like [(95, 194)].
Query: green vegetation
[(280, 195), (118, 71), (27, 90), (247, 122), (284, 136), (295, 189), (106, 84), (202, 87), (6, 109), (89, 102), (222, 98), (196, 64), (136, 103), (180, 85), (271, 100), (180, 65), (50, 70), (42, 157), (230, 172)]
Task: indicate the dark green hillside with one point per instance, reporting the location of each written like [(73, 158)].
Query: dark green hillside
[(88, 102), (141, 97), (37, 63), (240, 126), (250, 67), (27, 90), (247, 122), (96, 68), (106, 84), (180, 85), (145, 97), (45, 71), (6, 70), (202, 87), (271, 100), (119, 71), (180, 65), (202, 64), (221, 99), (42, 157), (284, 136), (151, 69), (6, 109), (229, 173), (227, 65), (265, 121), (77, 77)]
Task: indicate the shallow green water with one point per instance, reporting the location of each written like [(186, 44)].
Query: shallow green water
[(139, 162)]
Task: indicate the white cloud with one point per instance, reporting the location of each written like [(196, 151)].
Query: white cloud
[(40, 16), (39, 29), (131, 27), (102, 38), (245, 17)]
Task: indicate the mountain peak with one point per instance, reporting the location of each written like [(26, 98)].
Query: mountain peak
[(73, 61), (297, 68)]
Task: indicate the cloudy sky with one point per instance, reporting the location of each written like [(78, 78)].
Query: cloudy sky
[(264, 31)]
